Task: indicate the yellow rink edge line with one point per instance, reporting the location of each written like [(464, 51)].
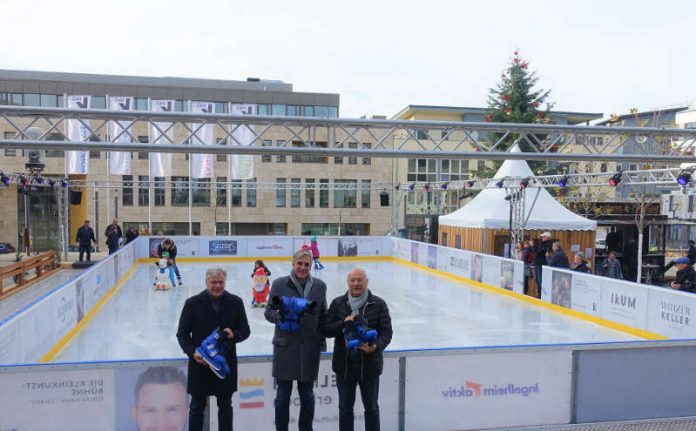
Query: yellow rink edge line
[(203, 259), (539, 303), (51, 354)]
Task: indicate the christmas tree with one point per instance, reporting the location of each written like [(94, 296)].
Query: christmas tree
[(515, 100)]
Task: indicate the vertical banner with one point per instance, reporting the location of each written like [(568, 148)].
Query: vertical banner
[(77, 162), (120, 162), (161, 163), (202, 164), (242, 166)]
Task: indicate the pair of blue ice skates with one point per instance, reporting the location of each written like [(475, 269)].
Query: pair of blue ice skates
[(357, 335), (292, 309), (212, 351)]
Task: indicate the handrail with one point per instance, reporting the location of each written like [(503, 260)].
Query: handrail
[(43, 264)]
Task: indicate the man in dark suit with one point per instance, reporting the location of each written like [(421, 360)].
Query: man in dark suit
[(85, 238), (202, 313)]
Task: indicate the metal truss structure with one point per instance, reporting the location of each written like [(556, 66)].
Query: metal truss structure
[(389, 138)]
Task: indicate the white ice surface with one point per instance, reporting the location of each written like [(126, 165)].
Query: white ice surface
[(427, 312)]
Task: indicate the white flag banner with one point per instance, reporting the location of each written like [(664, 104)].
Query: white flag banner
[(202, 164), (77, 162), (161, 163), (242, 166), (119, 131)]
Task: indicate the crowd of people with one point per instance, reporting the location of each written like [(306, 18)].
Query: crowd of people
[(296, 348)]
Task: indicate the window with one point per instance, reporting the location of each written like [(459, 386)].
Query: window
[(251, 193), (338, 160), (9, 152), (15, 98), (159, 192), (221, 157), (266, 158), (143, 140), (367, 160), (691, 125), (323, 193), (200, 192), (94, 154), (280, 192), (295, 192), (221, 192), (365, 193), (49, 100), (220, 108), (321, 111), (353, 160), (310, 159), (127, 191), (180, 191), (457, 241), (55, 137), (236, 193), (333, 112), (336, 229), (280, 159), (278, 110), (309, 193), (143, 190), (264, 109), (141, 104), (345, 194), (98, 102), (293, 110), (421, 134), (31, 99)]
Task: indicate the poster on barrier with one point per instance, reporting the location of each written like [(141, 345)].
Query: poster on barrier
[(64, 312), (586, 294), (10, 346), (546, 278), (432, 256), (414, 252), (476, 268), (670, 313), (402, 249), (477, 391), (348, 247), (443, 256), (64, 399), (153, 242), (560, 288), (507, 274), (491, 270), (459, 263), (253, 401), (222, 247), (519, 277), (423, 254), (186, 246), (624, 302), (370, 247), (261, 246)]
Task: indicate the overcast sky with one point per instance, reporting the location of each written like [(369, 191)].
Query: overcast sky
[(380, 56)]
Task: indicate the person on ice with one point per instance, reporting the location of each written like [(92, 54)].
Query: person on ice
[(315, 252), (261, 287)]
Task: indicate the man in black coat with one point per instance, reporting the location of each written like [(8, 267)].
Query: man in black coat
[(113, 234), (540, 258), (296, 353), (363, 366), (686, 277), (213, 308), (85, 238), (558, 257)]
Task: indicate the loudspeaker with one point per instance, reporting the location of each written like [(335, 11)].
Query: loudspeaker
[(75, 197), (384, 199)]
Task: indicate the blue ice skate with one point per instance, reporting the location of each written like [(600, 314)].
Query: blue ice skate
[(357, 335), (211, 351)]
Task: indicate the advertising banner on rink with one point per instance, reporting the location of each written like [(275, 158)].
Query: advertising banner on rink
[(270, 246), (242, 166), (65, 399), (586, 294), (624, 302), (459, 263), (204, 134), (671, 313), (119, 132), (468, 392), (77, 162), (161, 133), (491, 270)]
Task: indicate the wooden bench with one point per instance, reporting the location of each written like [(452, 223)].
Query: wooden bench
[(42, 264)]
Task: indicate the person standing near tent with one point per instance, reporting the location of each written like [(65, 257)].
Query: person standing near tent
[(540, 258)]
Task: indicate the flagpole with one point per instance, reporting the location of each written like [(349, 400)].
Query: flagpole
[(149, 176), (229, 179), (190, 181), (108, 165)]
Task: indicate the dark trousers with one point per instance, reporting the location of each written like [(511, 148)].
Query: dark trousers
[(83, 249), (282, 405), (537, 276), (176, 269), (197, 408), (369, 392)]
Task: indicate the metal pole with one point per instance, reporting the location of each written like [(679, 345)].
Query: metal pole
[(229, 181), (96, 216), (27, 236), (190, 181), (149, 175), (108, 166)]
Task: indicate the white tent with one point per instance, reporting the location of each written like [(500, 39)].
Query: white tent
[(490, 210)]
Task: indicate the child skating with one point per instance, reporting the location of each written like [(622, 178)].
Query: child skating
[(315, 253)]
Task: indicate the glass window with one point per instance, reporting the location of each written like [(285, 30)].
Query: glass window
[(278, 110), (345, 194), (295, 192), (141, 154), (323, 193), (221, 189), (421, 134), (310, 159), (220, 107), (338, 160), (280, 159), (367, 160), (309, 193), (309, 111), (127, 191), (251, 193), (31, 99), (365, 186), (353, 160), (143, 190), (321, 111), (264, 109), (266, 158), (180, 191), (49, 100), (55, 137), (280, 192), (10, 152), (94, 154), (236, 193), (333, 112), (98, 102), (159, 192), (16, 99), (293, 110), (221, 157), (141, 104), (200, 192)]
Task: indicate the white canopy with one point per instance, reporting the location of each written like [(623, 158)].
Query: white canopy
[(490, 210)]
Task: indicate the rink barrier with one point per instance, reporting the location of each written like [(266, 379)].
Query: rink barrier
[(459, 388)]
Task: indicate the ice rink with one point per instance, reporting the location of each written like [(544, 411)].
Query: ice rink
[(427, 312)]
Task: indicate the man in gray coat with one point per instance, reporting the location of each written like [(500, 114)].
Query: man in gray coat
[(296, 353)]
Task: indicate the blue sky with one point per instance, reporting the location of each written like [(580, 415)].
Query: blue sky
[(595, 56)]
